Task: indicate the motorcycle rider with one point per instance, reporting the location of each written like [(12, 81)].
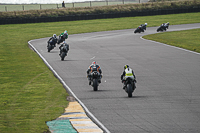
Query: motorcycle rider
[(165, 26), (142, 27), (53, 40), (128, 73), (93, 67), (64, 35), (145, 24), (63, 44)]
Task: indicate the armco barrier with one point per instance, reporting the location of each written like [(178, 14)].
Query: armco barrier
[(97, 16)]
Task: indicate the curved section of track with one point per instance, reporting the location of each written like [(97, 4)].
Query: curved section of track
[(167, 97)]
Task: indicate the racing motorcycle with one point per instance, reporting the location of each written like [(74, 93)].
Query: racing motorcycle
[(95, 80), (50, 46), (141, 28), (129, 86), (163, 27), (61, 38), (64, 48)]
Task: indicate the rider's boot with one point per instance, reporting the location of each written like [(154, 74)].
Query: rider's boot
[(124, 86)]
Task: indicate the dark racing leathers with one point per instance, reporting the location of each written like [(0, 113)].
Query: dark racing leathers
[(52, 41), (67, 46), (143, 26), (91, 69), (165, 26)]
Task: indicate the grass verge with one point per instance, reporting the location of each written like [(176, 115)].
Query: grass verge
[(188, 39), (29, 92)]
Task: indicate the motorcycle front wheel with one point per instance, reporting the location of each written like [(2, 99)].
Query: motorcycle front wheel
[(95, 85), (136, 31)]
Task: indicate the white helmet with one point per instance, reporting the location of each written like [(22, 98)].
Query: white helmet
[(65, 32), (54, 35), (145, 24)]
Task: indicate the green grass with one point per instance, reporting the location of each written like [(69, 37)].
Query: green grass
[(188, 39), (29, 92)]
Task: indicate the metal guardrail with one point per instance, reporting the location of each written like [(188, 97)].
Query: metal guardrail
[(23, 7)]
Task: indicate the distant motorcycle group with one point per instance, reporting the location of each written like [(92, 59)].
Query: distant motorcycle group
[(94, 72), (142, 27), (128, 78), (64, 47)]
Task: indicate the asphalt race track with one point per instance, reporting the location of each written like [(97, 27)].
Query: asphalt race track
[(167, 97)]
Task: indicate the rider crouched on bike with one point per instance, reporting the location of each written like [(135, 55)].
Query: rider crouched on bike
[(53, 40), (63, 36), (128, 73), (165, 25), (143, 27), (64, 44), (93, 67)]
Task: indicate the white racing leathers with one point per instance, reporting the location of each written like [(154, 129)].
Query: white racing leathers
[(129, 73)]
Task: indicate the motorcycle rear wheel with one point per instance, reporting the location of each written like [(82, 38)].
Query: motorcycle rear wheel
[(60, 40), (62, 56), (130, 90), (49, 48)]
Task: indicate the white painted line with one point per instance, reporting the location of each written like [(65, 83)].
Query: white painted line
[(69, 90), (92, 58)]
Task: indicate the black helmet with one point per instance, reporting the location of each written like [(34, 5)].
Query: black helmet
[(126, 66)]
